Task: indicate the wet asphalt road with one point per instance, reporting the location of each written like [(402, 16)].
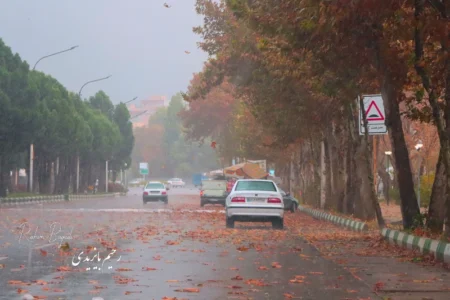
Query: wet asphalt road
[(162, 252)]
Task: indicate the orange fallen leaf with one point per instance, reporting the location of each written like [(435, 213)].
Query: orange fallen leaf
[(63, 269), (316, 273), (43, 252), (21, 291), (148, 269), (174, 280), (276, 265), (237, 277), (263, 268), (288, 296), (242, 249), (188, 290), (39, 297), (130, 292), (123, 270)]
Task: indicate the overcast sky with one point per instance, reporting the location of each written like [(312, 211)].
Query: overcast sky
[(140, 43)]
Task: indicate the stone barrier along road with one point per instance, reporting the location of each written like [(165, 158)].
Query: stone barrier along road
[(440, 249), (49, 199), (352, 224)]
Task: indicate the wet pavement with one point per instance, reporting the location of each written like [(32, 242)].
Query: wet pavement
[(174, 251)]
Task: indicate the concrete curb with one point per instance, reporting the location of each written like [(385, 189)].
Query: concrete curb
[(51, 199), (440, 249), (344, 222)]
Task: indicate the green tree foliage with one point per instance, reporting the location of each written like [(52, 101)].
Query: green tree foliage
[(37, 109)]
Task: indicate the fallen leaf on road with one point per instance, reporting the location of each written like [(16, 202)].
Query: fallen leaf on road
[(288, 296), (242, 249), (257, 282), (129, 292), (172, 243), (123, 270), (2, 266), (21, 291), (237, 277), (263, 268), (276, 265), (188, 290), (148, 269), (40, 297), (316, 273), (63, 269), (172, 280), (43, 252)]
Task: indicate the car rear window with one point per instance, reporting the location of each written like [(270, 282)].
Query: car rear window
[(155, 186), (255, 186)]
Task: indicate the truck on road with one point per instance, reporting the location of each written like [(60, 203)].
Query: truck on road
[(213, 192)]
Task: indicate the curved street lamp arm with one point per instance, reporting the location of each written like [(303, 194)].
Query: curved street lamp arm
[(70, 49), (138, 115), (79, 93)]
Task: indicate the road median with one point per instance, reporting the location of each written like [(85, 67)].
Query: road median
[(340, 221), (440, 249), (50, 199)]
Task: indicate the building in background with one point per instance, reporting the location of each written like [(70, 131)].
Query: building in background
[(150, 105)]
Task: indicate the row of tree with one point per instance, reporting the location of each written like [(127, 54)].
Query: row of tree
[(281, 84), (163, 145), (65, 130)]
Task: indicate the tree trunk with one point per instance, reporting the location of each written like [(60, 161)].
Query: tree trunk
[(436, 209), (323, 175), (409, 206)]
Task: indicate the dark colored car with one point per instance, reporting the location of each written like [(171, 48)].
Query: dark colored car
[(290, 203)]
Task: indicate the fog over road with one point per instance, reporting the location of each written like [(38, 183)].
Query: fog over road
[(175, 250)]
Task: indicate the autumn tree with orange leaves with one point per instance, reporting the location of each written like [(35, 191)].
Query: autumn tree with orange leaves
[(297, 67)]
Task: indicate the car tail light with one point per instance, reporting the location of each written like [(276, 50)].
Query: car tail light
[(273, 200), (238, 199), (145, 193), (164, 193), (201, 193)]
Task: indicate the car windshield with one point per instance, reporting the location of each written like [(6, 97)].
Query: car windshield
[(155, 186), (255, 186)]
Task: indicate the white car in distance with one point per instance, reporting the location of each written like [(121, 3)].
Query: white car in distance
[(255, 200), (176, 182)]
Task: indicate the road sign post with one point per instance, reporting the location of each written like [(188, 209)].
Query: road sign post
[(374, 110), (143, 169)]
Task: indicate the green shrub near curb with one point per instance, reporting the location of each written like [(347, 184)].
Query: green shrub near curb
[(344, 222)]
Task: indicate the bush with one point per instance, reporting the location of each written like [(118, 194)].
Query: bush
[(116, 188)]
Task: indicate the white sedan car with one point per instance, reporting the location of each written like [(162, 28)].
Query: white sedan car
[(255, 200), (176, 182)]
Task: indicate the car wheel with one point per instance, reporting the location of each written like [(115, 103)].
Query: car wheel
[(293, 207), (278, 224), (230, 223)]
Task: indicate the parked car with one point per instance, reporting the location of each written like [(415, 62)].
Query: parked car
[(176, 182), (290, 203), (255, 200), (213, 192), (155, 191)]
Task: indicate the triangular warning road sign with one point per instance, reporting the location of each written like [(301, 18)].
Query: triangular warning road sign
[(373, 113)]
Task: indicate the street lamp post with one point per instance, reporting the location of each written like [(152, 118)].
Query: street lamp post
[(53, 54), (78, 158), (111, 109), (30, 175), (418, 147), (388, 154), (95, 80)]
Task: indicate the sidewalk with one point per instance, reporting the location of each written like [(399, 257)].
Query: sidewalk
[(393, 272)]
